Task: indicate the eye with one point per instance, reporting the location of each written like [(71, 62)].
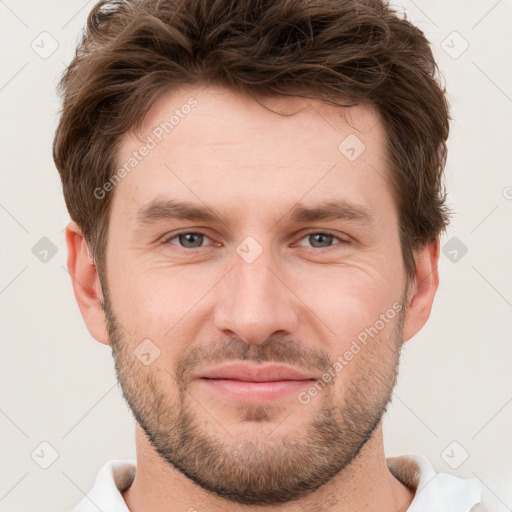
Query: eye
[(196, 239), (188, 239), (323, 239)]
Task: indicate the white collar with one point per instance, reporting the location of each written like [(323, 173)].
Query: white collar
[(434, 492), (112, 479)]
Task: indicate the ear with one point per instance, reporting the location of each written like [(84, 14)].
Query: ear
[(422, 289), (86, 283)]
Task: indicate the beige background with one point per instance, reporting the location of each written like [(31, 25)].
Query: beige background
[(58, 384)]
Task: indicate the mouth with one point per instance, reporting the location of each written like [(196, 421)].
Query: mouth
[(255, 383)]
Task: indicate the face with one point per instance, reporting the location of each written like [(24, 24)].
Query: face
[(258, 327)]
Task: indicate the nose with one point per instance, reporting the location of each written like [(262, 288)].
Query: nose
[(255, 301)]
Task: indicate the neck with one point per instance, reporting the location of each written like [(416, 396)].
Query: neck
[(366, 484)]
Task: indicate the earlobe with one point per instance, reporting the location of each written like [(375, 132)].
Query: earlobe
[(422, 289), (86, 283)]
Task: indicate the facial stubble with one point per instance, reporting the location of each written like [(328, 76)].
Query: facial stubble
[(278, 467)]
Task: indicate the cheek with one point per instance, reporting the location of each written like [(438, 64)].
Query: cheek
[(163, 304), (350, 299)]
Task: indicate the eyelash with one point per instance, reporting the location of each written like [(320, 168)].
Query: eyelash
[(168, 239)]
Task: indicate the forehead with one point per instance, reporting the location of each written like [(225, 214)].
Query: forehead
[(211, 144)]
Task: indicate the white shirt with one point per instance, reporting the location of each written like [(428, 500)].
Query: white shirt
[(434, 492)]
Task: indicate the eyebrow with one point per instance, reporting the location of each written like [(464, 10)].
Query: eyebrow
[(169, 209), (332, 210)]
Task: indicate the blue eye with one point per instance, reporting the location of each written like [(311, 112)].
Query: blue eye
[(196, 239), (322, 240), (189, 239), (318, 239)]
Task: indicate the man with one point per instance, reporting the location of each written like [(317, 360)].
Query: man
[(256, 194)]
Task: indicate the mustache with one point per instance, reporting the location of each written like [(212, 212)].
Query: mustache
[(271, 350)]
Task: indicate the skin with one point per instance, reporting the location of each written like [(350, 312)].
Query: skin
[(253, 166)]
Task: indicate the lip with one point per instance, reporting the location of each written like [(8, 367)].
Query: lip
[(254, 384), (251, 373)]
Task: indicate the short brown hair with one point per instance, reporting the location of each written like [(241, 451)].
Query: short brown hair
[(338, 51)]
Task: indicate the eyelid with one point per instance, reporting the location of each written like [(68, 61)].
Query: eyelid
[(341, 237)]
